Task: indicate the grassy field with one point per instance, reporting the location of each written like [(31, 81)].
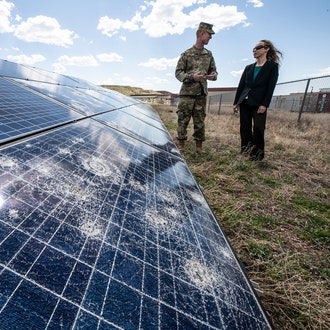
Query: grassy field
[(276, 213)]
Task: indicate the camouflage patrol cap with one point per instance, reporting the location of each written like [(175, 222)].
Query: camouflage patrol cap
[(206, 26)]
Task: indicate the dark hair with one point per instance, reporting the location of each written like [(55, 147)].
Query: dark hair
[(273, 53)]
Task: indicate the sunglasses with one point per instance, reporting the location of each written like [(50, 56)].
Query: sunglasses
[(259, 47)]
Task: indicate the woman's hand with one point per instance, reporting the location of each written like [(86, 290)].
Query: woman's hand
[(261, 109)]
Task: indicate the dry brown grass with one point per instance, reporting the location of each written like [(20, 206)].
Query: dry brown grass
[(276, 213)]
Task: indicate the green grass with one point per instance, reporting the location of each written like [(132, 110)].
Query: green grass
[(275, 213)]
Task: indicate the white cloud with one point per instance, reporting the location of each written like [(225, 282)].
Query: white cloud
[(77, 60), (59, 68), (155, 81), (160, 63), (325, 71), (46, 30), (109, 57), (109, 26), (81, 61), (173, 17), (5, 9), (236, 73), (125, 80), (147, 82), (321, 73), (162, 17), (28, 60), (166, 17), (222, 17), (256, 3), (108, 81)]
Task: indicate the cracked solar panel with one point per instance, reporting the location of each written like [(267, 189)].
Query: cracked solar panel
[(104, 229)]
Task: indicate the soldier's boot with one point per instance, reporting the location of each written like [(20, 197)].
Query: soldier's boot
[(199, 148), (181, 145)]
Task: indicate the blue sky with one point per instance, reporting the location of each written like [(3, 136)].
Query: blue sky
[(137, 43)]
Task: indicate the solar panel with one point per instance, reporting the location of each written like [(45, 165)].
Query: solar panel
[(83, 99), (25, 72), (23, 112), (104, 227)]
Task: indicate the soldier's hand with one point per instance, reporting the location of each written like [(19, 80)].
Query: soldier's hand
[(198, 76), (211, 76)]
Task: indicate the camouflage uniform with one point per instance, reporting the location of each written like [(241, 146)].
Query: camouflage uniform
[(193, 94)]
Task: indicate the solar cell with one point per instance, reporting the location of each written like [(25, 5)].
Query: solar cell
[(104, 227), (23, 112)]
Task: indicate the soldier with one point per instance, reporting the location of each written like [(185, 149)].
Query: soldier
[(195, 66)]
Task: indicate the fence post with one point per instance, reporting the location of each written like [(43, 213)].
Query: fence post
[(303, 101), (219, 104)]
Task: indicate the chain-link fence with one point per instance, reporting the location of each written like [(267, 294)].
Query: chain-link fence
[(305, 95)]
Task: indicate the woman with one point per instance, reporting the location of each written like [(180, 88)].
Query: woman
[(253, 96)]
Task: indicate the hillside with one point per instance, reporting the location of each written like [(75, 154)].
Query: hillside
[(129, 90)]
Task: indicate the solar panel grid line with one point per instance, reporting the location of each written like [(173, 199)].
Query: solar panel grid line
[(60, 298), (141, 123), (143, 287), (137, 130), (143, 116), (144, 140), (190, 265), (158, 243), (30, 236), (93, 270), (62, 251), (142, 110), (19, 83), (117, 249), (174, 285), (143, 269), (110, 275), (21, 114)]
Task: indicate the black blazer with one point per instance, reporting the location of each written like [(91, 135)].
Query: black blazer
[(258, 91)]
